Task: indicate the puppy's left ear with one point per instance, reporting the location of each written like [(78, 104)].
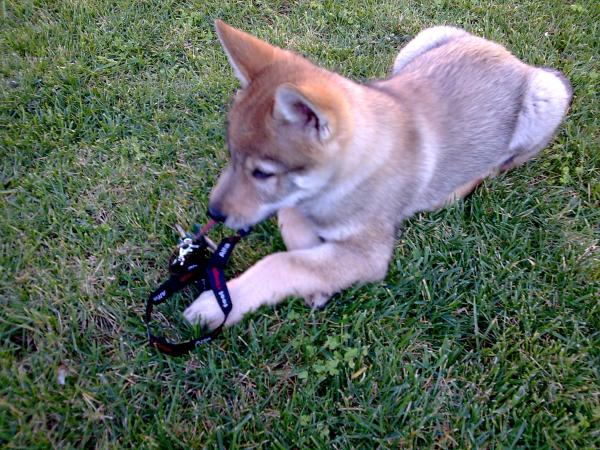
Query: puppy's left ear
[(247, 55), (315, 109)]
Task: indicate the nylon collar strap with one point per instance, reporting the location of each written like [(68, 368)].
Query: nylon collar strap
[(193, 269)]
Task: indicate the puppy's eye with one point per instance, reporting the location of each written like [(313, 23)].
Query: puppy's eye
[(260, 175)]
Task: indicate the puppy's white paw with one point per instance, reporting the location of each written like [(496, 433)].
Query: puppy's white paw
[(205, 311), (317, 301)]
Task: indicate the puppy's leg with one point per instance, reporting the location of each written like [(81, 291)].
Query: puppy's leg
[(463, 191), (544, 105), (297, 231), (424, 41), (328, 267)]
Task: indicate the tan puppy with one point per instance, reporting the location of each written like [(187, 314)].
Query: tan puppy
[(343, 164)]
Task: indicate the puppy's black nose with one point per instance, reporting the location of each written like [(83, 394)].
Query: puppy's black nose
[(216, 214)]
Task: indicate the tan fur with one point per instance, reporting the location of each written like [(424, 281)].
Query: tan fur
[(342, 164)]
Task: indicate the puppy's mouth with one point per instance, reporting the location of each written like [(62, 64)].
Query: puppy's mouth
[(262, 213), (240, 223)]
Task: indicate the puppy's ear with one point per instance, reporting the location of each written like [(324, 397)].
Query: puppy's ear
[(317, 109), (247, 54)]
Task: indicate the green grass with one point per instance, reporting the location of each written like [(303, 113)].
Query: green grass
[(485, 334)]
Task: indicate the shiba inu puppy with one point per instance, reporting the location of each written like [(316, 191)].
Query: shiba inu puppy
[(343, 163)]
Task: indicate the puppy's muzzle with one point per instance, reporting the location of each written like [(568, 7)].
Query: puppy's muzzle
[(216, 214)]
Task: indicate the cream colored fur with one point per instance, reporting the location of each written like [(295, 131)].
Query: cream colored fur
[(343, 164)]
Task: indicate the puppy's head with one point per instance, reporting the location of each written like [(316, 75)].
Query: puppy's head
[(286, 129)]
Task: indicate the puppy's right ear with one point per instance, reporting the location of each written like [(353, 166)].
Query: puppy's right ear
[(317, 108), (247, 55)]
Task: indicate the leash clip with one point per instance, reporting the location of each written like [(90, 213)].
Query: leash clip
[(186, 246)]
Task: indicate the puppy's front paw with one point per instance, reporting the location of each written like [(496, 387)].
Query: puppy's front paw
[(317, 301), (205, 311)]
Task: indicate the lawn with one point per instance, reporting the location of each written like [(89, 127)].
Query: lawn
[(485, 333)]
